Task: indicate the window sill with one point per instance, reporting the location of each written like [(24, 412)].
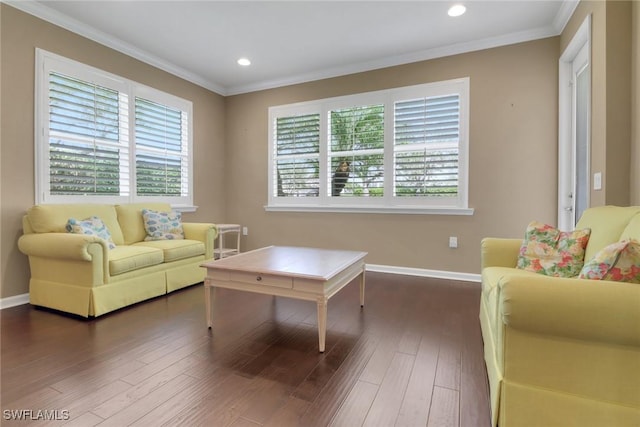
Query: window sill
[(371, 209), (184, 208)]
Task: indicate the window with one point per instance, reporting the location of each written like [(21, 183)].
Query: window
[(105, 139), (398, 150)]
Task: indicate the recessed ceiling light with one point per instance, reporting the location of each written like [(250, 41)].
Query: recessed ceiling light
[(457, 10), (244, 62)]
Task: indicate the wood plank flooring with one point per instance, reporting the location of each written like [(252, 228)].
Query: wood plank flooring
[(411, 357)]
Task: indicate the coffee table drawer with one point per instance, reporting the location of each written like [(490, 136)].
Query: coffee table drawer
[(261, 279)]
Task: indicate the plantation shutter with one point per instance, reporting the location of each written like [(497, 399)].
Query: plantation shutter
[(88, 148), (297, 152), (426, 146), (162, 149), (357, 151)]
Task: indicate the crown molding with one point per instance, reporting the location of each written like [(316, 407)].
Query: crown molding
[(45, 13), (564, 14), (424, 55)]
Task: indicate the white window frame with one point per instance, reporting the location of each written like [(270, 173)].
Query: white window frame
[(47, 62), (388, 203)]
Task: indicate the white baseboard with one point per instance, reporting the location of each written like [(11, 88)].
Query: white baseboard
[(438, 274), (13, 301)]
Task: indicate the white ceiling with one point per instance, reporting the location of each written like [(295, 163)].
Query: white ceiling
[(296, 41)]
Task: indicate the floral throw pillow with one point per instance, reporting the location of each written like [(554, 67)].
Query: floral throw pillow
[(92, 226), (619, 262), (162, 225), (549, 251)]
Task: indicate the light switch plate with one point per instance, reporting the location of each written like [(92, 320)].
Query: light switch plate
[(597, 181)]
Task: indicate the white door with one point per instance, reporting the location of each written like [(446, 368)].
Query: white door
[(582, 106), (574, 130)]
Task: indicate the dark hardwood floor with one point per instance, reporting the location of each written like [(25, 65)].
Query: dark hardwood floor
[(411, 357)]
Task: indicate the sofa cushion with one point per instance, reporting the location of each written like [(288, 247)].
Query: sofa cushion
[(619, 262), (174, 250), (92, 226), (632, 230), (53, 218), (607, 224), (128, 258), (549, 251), (162, 225), (130, 218)]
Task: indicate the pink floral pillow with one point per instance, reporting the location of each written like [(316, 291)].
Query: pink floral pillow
[(549, 251), (619, 262)]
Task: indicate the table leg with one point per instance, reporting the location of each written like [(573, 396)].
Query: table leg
[(322, 323), (208, 294), (221, 241), (362, 288)]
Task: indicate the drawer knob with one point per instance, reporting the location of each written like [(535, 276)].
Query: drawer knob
[(259, 278)]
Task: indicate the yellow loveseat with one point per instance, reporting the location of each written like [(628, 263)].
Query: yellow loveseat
[(562, 351), (79, 274)]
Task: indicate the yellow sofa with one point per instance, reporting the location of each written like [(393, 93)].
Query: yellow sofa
[(562, 351), (79, 274)]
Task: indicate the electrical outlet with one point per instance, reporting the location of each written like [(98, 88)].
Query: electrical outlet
[(245, 231), (453, 242)]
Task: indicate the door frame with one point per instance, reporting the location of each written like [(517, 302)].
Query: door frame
[(566, 133)]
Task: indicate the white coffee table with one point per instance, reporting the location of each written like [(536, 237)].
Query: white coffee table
[(294, 272)]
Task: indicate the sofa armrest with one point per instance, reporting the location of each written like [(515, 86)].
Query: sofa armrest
[(601, 311), (497, 252), (62, 246), (203, 232)]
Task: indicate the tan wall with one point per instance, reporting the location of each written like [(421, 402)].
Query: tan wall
[(611, 119), (1, 210), (21, 33), (635, 105), (513, 161), (618, 102)]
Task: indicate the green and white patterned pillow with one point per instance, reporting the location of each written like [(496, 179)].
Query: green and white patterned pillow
[(162, 225), (92, 226)]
